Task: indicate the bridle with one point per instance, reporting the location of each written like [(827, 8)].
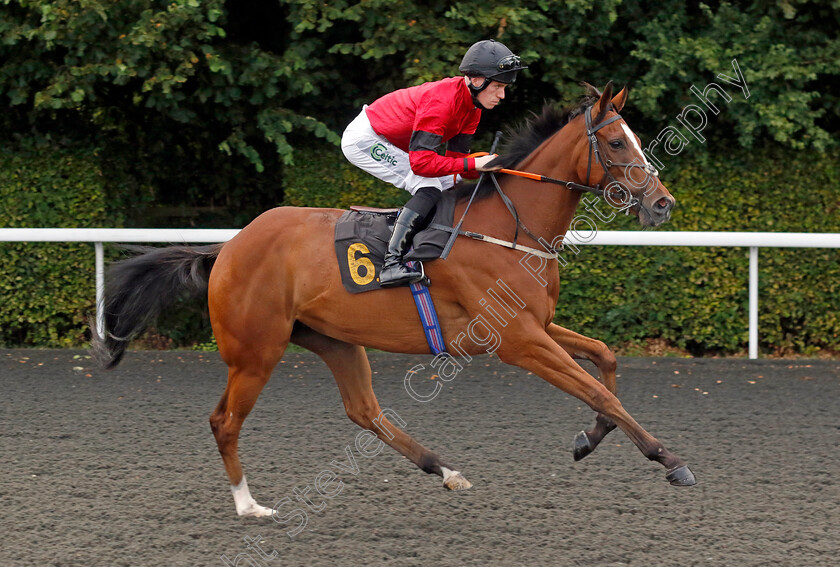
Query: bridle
[(594, 149), (606, 193), (606, 164)]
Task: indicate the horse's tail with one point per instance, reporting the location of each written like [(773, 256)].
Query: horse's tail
[(139, 289)]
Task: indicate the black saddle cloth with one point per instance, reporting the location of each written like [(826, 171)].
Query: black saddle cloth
[(361, 240)]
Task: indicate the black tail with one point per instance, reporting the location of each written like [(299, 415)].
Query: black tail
[(137, 291)]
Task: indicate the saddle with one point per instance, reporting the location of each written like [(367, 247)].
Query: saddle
[(361, 240)]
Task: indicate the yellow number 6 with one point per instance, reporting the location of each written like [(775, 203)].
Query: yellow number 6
[(355, 263)]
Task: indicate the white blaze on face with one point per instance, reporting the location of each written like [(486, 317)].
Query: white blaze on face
[(634, 141)]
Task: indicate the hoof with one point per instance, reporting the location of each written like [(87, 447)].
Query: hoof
[(582, 446), (255, 511), (456, 481), (245, 503), (681, 476)]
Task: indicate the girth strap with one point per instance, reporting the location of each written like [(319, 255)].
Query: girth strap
[(428, 315)]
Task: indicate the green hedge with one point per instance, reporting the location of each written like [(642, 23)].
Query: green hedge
[(322, 177), (47, 290), (693, 298), (697, 298)]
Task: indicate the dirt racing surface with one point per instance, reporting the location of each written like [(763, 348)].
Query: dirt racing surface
[(120, 468)]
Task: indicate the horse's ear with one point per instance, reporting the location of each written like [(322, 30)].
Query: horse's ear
[(604, 103), (619, 99)]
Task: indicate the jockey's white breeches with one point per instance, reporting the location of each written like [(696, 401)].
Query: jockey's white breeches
[(373, 153)]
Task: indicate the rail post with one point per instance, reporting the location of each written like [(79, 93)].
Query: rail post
[(100, 289), (753, 302)]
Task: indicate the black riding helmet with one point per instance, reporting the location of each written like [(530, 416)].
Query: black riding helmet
[(492, 60)]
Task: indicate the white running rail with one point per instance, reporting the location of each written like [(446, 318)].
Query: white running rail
[(751, 240)]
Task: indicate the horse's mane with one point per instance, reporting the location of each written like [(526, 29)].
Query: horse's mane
[(522, 141)]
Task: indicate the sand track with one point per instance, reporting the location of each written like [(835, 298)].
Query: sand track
[(120, 468)]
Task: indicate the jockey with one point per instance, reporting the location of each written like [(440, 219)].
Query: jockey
[(395, 139)]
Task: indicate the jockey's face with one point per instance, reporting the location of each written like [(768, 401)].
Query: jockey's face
[(492, 95)]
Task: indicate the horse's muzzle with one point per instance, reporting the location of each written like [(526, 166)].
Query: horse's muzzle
[(657, 213)]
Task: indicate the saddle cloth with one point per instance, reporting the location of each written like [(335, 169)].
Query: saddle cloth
[(361, 240)]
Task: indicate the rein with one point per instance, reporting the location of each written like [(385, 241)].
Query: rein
[(594, 149)]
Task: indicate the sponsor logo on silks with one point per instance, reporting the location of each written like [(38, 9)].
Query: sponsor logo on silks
[(380, 153)]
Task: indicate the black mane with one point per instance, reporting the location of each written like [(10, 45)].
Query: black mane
[(537, 129), (522, 141)]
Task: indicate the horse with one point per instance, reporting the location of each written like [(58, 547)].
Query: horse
[(277, 282)]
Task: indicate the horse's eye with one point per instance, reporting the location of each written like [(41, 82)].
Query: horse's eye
[(616, 144)]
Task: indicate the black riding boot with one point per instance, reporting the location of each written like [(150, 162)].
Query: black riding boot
[(394, 272)]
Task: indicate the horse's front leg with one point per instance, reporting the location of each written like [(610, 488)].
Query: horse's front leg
[(537, 352), (578, 346)]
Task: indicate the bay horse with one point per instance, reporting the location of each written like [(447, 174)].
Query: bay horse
[(277, 281)]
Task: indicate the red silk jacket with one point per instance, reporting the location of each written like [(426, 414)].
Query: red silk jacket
[(419, 119)]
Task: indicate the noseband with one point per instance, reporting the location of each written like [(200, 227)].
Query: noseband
[(594, 149)]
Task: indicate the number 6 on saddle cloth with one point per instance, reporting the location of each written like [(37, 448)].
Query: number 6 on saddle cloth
[(361, 239)]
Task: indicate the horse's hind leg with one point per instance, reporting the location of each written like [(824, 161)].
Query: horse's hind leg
[(581, 347), (248, 373), (351, 369)]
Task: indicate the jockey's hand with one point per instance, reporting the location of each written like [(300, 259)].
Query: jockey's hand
[(481, 163)]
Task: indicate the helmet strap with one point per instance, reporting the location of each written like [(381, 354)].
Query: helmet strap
[(474, 90)]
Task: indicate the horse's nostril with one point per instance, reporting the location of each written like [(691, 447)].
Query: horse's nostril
[(663, 204)]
